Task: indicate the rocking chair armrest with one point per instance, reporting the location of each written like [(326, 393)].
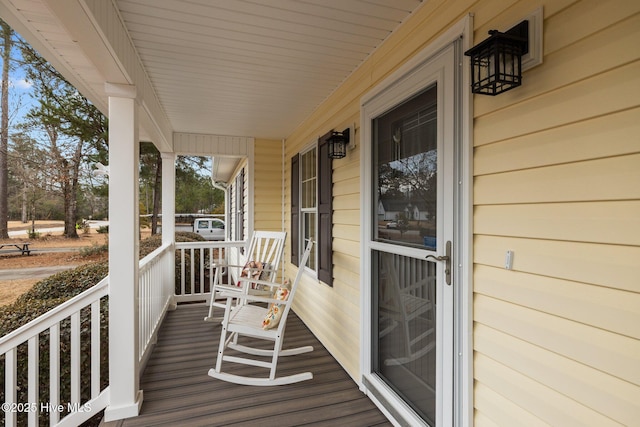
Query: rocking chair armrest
[(268, 283), (260, 270), (223, 263), (244, 267), (253, 298)]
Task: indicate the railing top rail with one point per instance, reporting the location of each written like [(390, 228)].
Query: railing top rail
[(54, 316), (212, 244), (153, 255)]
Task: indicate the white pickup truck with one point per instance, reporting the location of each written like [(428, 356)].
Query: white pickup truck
[(209, 228)]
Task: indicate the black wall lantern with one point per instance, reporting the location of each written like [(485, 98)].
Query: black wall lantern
[(338, 144), (496, 63)]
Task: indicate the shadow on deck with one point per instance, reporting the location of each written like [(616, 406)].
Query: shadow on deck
[(178, 391)]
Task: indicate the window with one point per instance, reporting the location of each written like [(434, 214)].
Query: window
[(308, 201), (239, 206), (311, 208)]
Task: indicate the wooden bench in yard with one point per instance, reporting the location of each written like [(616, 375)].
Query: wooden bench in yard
[(23, 248)]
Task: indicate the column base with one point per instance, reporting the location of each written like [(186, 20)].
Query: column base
[(113, 413)]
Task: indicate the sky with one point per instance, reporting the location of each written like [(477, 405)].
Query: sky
[(19, 91), (20, 100)]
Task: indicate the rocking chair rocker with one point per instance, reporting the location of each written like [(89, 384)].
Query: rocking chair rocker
[(247, 320)]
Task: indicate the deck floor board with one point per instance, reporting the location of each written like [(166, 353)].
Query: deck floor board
[(178, 391)]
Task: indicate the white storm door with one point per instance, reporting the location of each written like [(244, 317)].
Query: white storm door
[(409, 139)]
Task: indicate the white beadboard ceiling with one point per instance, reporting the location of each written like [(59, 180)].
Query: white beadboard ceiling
[(254, 68)]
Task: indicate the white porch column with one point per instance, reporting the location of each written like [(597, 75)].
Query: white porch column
[(168, 197), (169, 218), (124, 385)]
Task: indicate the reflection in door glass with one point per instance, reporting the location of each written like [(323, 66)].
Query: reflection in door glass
[(406, 324), (406, 165)]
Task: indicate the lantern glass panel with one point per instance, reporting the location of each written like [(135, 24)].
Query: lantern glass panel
[(337, 146)]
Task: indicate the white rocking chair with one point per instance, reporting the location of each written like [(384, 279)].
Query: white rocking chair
[(263, 260), (247, 320)]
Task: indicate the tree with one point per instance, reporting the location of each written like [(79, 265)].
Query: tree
[(151, 181), (69, 126), (4, 130), (30, 178), (194, 191)]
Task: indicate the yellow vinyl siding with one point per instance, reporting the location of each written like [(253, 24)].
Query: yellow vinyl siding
[(546, 404), (560, 373), (614, 266), (267, 185), (568, 143), (614, 310), (612, 178), (607, 223), (556, 180), (504, 411), (606, 93)]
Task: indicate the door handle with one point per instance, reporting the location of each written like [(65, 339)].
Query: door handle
[(447, 259)]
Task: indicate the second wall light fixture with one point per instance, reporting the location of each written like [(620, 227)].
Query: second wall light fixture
[(338, 144)]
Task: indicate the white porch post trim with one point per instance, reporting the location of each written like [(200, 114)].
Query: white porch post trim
[(169, 215), (124, 387)]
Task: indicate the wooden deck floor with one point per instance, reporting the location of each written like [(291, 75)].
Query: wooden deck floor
[(178, 391)]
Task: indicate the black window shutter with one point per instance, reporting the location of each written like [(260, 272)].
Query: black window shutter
[(325, 212), (295, 209)]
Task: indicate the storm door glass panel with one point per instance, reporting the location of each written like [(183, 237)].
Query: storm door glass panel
[(308, 201), (405, 193), (405, 167), (406, 329)]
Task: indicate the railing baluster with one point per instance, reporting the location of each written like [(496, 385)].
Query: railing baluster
[(10, 386), (75, 357), (192, 270), (183, 273), (34, 378), (95, 349), (211, 269), (54, 373)]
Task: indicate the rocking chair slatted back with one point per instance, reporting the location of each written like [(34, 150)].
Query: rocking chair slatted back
[(265, 251)]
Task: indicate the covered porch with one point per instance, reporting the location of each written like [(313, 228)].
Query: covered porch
[(175, 348), (536, 243)]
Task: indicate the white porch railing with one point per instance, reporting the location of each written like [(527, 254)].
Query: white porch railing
[(67, 327), (73, 330), (155, 296), (195, 264)]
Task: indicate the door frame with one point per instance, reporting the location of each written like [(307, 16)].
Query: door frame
[(392, 89)]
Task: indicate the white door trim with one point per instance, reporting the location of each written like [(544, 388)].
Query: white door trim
[(463, 322)]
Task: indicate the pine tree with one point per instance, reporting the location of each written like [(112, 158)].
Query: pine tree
[(7, 43)]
